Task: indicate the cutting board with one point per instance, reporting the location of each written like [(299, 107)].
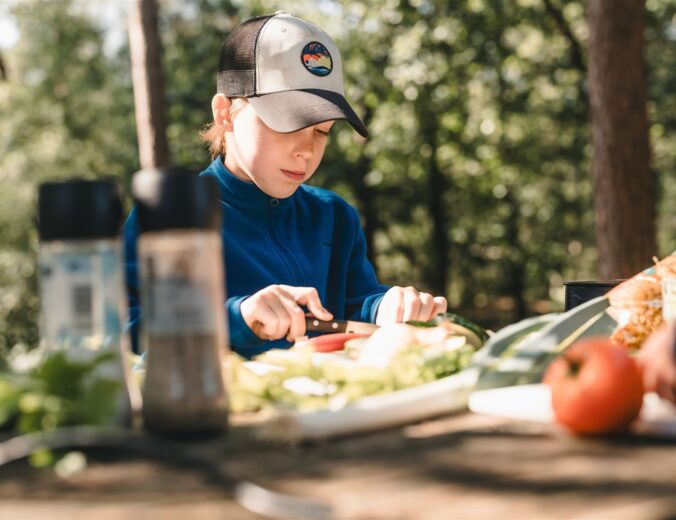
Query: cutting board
[(533, 403)]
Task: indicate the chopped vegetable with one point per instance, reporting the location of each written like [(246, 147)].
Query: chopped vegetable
[(395, 357)]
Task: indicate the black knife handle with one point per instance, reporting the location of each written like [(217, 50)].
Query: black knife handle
[(315, 325)]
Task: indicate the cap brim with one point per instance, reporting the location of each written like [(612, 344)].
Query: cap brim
[(294, 110)]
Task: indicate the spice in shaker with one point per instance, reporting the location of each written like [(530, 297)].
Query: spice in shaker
[(81, 290), (183, 322)]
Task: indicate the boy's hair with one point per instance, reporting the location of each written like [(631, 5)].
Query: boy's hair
[(213, 134)]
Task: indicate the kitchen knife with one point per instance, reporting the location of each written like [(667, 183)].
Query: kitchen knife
[(314, 325)]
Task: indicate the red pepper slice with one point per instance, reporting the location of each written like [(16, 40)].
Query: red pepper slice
[(333, 342)]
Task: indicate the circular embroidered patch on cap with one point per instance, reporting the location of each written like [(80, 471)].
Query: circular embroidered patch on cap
[(316, 59)]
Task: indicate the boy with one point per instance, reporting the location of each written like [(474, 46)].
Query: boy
[(287, 245)]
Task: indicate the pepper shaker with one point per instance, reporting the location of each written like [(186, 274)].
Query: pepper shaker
[(183, 322)]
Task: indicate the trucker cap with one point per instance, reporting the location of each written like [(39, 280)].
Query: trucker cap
[(289, 69)]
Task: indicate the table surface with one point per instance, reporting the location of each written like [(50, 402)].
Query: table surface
[(460, 466)]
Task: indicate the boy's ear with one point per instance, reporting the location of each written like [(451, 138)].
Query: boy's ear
[(220, 107)]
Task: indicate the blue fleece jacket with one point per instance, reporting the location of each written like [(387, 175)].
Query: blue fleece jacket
[(311, 239)]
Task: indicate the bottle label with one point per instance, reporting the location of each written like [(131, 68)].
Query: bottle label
[(80, 295), (83, 310), (181, 287)]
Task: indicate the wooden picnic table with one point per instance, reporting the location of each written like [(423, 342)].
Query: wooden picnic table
[(460, 466)]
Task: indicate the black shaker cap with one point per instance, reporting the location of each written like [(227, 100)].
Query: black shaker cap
[(172, 198), (79, 209)]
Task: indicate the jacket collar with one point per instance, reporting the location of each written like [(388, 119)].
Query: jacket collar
[(243, 194)]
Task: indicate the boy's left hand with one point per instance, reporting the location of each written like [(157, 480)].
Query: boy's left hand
[(657, 359), (402, 304)]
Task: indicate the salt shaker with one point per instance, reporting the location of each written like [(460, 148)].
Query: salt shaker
[(183, 322), (81, 290)]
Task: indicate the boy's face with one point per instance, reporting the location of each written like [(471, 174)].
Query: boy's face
[(277, 163)]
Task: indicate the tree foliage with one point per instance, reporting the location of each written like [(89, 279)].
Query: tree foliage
[(474, 183)]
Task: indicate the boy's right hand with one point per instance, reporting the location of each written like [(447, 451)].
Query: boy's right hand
[(275, 312)]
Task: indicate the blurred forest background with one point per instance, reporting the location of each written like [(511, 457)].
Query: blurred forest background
[(475, 182)]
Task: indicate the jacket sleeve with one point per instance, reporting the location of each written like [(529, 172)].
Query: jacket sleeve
[(130, 234), (242, 338), (364, 292)]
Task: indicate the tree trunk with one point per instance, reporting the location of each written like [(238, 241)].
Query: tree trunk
[(624, 185), (575, 49), (436, 191), (366, 195), (3, 70), (515, 267), (146, 52)]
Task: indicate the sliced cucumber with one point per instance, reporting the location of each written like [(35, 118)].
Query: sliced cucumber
[(475, 335), (479, 331)]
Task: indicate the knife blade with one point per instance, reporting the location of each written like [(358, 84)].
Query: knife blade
[(315, 325)]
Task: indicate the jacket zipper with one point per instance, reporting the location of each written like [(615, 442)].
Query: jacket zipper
[(296, 273)]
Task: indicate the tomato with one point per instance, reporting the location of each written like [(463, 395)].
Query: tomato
[(596, 387), (334, 341)]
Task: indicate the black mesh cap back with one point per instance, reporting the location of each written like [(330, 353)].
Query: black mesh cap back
[(237, 64)]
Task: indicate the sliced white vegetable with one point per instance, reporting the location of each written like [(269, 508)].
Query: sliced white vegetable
[(440, 397)]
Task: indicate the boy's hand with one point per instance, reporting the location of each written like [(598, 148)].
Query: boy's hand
[(402, 304), (275, 312), (657, 359)]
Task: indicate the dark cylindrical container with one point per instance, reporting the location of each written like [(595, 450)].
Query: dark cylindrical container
[(183, 327), (81, 282), (79, 209), (579, 292)]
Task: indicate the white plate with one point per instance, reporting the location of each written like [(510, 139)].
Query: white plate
[(533, 403), (375, 412)]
